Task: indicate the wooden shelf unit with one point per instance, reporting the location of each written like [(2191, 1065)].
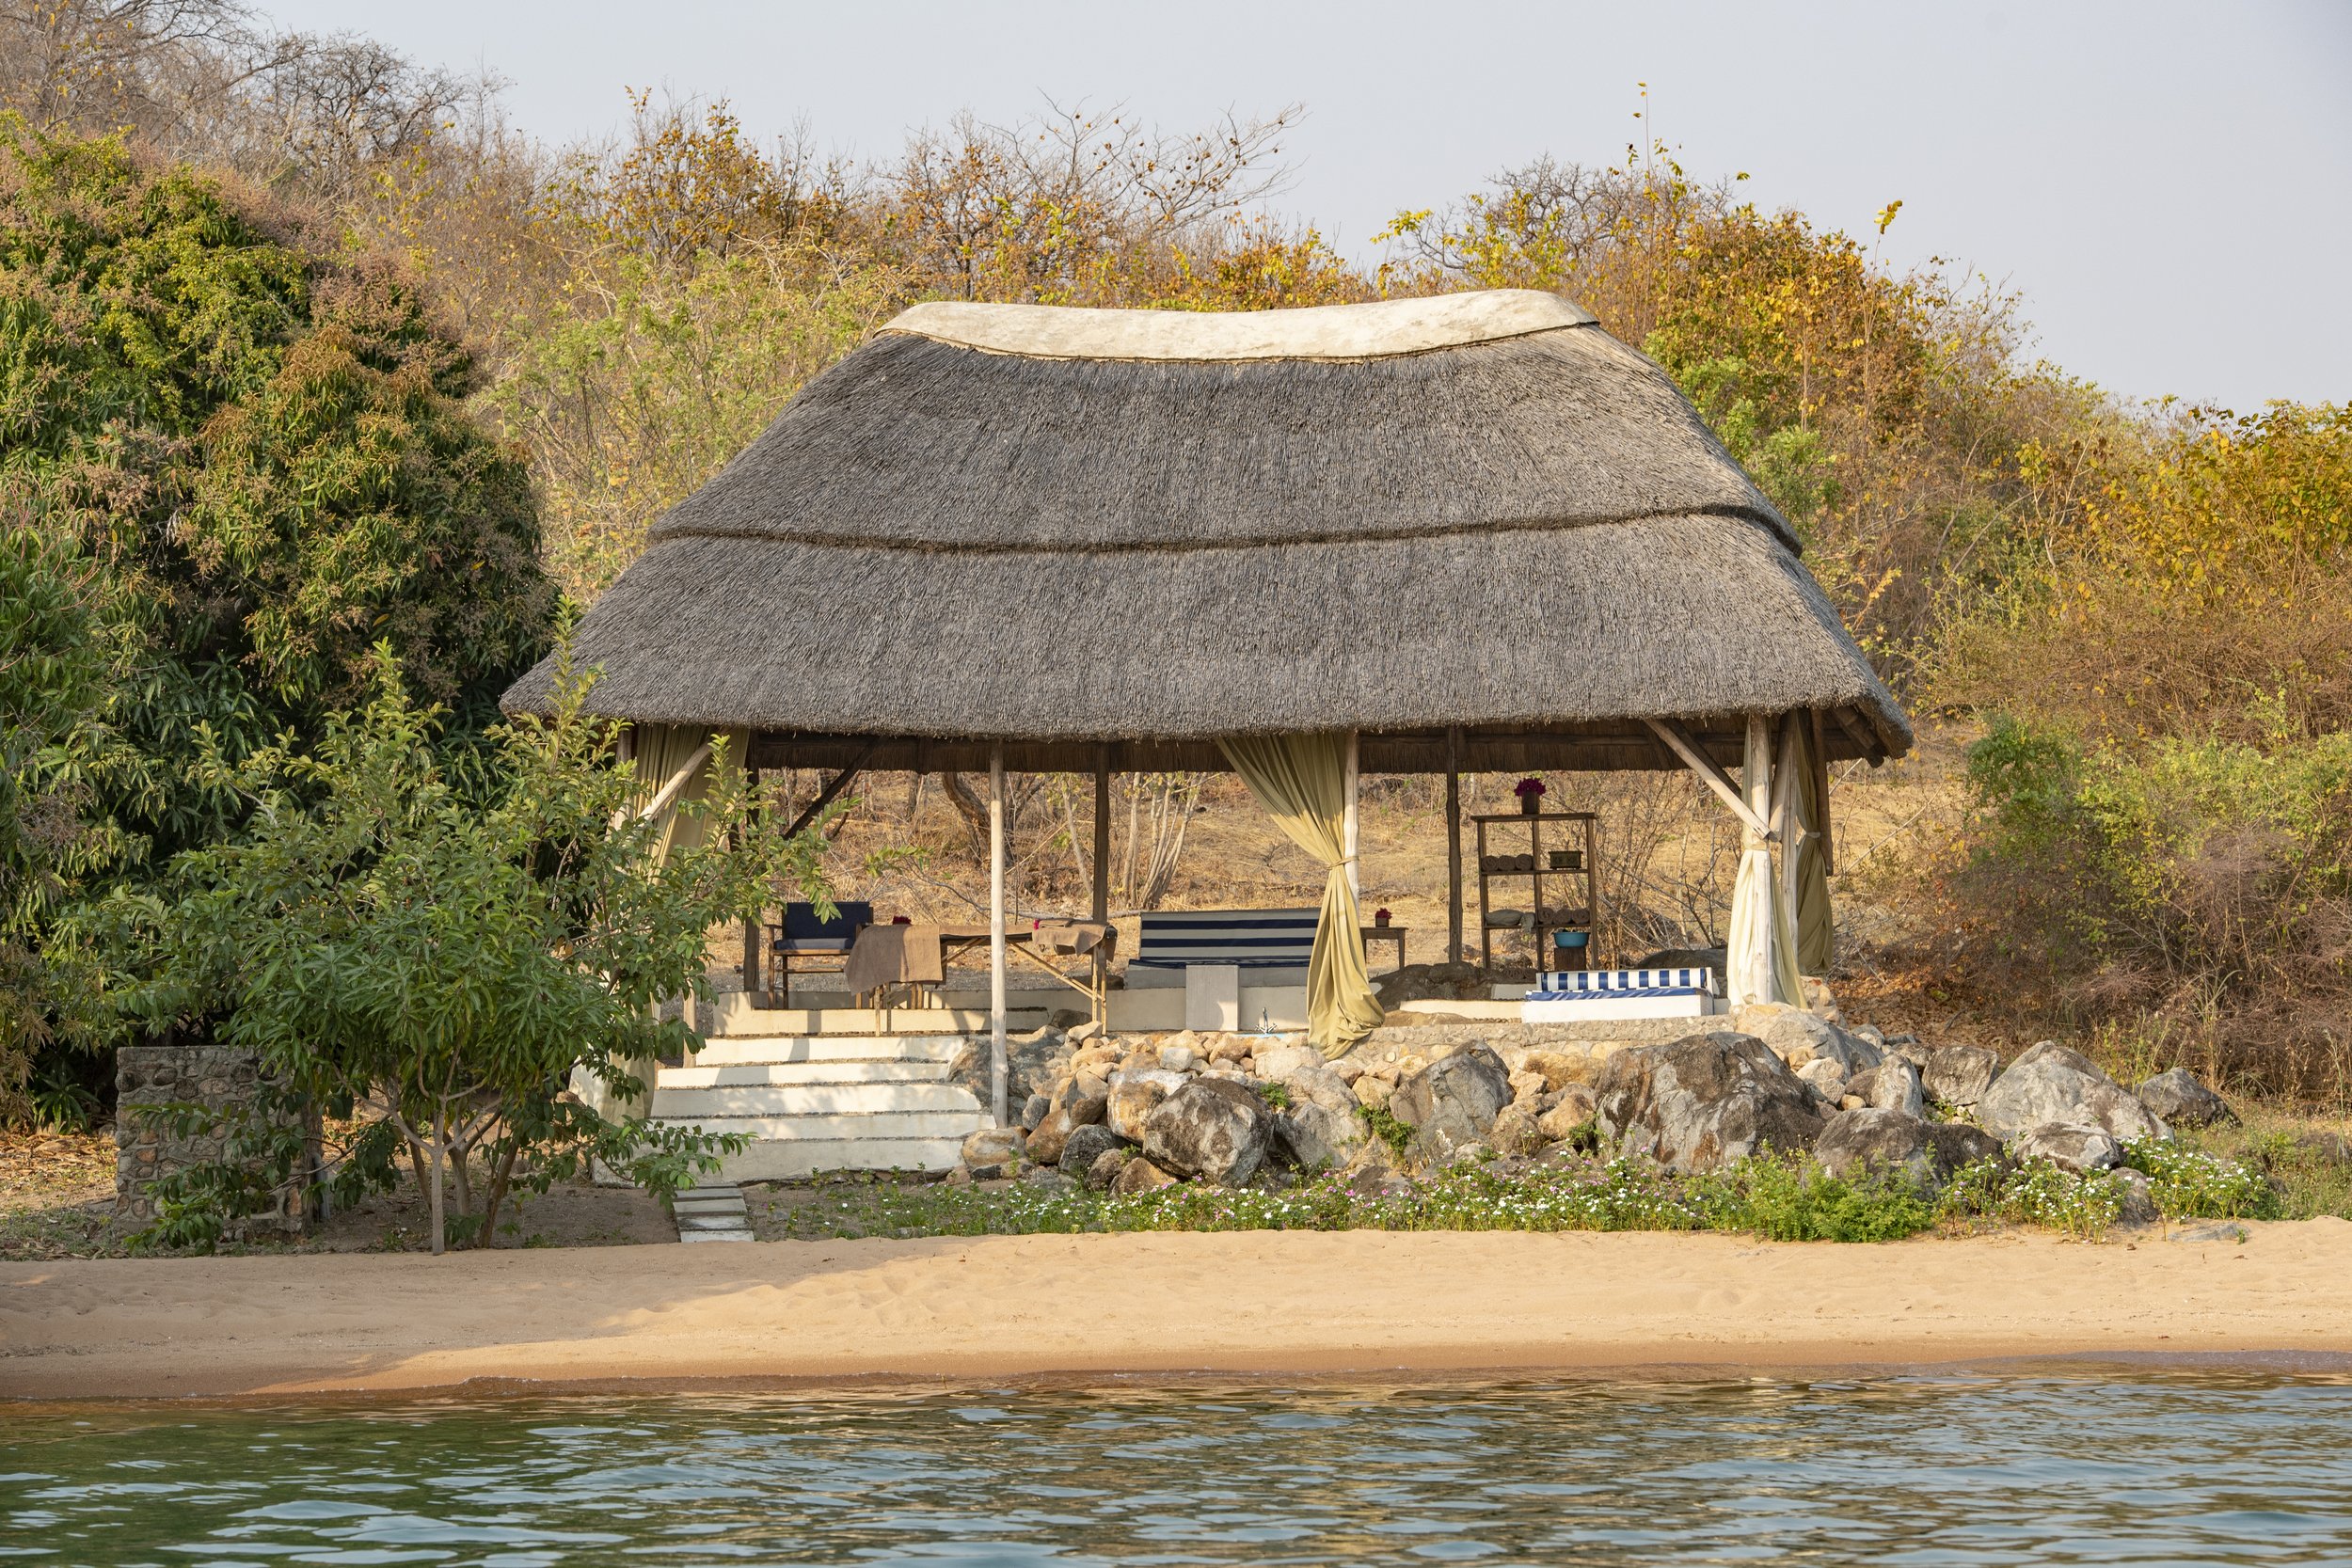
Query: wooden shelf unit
[(1589, 875)]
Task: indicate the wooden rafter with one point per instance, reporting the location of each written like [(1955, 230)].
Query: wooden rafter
[(1684, 745)]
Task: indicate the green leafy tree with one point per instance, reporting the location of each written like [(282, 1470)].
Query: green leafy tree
[(260, 447), (49, 681), (441, 977)]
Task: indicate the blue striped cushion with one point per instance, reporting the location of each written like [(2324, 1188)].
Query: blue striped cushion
[(1568, 985), (1254, 939)]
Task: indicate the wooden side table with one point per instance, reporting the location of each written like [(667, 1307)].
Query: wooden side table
[(1384, 933)]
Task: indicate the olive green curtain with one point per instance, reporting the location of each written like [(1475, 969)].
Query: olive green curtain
[(1301, 781), (1809, 877)]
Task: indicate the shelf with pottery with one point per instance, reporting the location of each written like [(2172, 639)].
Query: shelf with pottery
[(1576, 864)]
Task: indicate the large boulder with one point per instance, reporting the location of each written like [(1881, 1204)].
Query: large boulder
[(1557, 1069), (1213, 1128), (2139, 1206), (1903, 1048), (2049, 1084), (991, 1150), (1796, 1037), (1320, 1085), (1135, 1094), (1136, 1175), (1517, 1129), (1034, 1063), (2069, 1146), (1276, 1063), (2181, 1100), (1827, 1080), (1704, 1101), (1453, 1101), (1047, 1139), (1876, 1138), (1958, 1143), (1571, 1111), (1891, 1086), (1085, 1145), (1317, 1137), (1959, 1074)]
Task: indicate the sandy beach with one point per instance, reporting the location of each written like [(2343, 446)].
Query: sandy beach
[(1360, 1302)]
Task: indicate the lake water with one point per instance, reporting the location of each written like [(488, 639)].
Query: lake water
[(2041, 1466)]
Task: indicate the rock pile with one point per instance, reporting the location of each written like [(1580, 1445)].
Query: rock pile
[(1130, 1114)]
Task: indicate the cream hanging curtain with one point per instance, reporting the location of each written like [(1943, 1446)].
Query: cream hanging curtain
[(662, 751), (1760, 949), (1301, 781)]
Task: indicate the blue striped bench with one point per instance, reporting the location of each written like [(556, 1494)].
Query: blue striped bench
[(1267, 945), (1574, 993)]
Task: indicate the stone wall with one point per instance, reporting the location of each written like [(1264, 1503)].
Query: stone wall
[(151, 1075)]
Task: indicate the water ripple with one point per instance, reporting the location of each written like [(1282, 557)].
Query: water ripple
[(1923, 1472)]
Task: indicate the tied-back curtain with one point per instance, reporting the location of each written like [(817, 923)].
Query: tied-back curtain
[(1816, 930), (1760, 947), (661, 751), (1301, 781)]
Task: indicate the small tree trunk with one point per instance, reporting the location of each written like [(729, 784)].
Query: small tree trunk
[(461, 1176), (968, 807), (501, 1174), (439, 1213)]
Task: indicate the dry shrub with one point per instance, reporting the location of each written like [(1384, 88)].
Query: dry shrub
[(2198, 894)]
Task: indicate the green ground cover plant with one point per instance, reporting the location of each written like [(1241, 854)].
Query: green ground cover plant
[(2036, 1194), (2192, 1183), (1782, 1198)]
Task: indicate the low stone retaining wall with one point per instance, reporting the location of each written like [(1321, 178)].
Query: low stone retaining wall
[(215, 1076)]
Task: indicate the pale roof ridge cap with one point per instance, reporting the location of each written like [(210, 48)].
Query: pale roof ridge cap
[(1378, 331)]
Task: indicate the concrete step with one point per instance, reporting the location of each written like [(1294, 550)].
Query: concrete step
[(711, 1211), (731, 1013), (733, 1049), (955, 1124), (785, 1159), (800, 1099), (802, 1073)]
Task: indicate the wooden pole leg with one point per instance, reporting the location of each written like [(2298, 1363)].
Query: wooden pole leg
[(1000, 1087)]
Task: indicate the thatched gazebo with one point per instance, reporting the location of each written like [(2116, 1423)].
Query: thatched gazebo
[(1468, 532)]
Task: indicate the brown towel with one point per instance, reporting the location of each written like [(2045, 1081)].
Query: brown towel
[(1077, 938), (894, 956)]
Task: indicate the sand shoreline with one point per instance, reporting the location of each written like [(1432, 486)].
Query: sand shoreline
[(1356, 1304)]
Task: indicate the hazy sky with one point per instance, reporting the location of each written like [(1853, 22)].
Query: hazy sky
[(2169, 185)]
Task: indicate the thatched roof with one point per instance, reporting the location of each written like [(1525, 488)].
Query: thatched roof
[(1047, 526)]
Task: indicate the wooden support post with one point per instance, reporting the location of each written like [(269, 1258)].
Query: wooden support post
[(754, 929), (998, 1087), (1454, 954), (1100, 908), (1351, 827)]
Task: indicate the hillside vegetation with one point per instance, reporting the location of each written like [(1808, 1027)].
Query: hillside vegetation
[(306, 351)]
